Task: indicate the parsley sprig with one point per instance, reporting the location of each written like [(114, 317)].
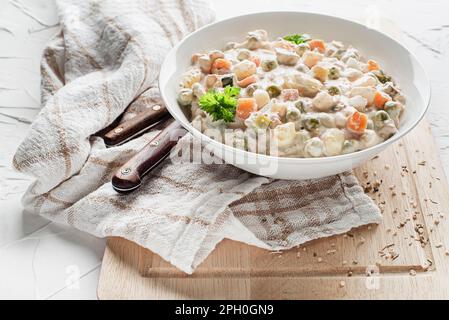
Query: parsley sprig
[(297, 38), (220, 105)]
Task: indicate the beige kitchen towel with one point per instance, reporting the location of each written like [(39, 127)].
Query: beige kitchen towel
[(107, 58)]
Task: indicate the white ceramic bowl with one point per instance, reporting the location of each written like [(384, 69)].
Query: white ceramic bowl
[(393, 57)]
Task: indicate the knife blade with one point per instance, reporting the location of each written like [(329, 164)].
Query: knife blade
[(135, 126), (129, 176)]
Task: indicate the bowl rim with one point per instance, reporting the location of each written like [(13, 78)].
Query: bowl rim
[(239, 152)]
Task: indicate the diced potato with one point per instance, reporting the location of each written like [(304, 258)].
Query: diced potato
[(185, 97), (215, 54), (302, 48), (247, 81), (262, 98), (286, 57), (243, 54), (314, 148), (323, 101), (211, 80), (311, 58), (285, 134), (353, 74), (205, 63), (340, 119), (353, 63), (369, 138), (244, 69), (366, 92), (365, 81), (350, 52), (333, 141), (280, 108), (255, 39), (326, 119), (358, 102), (387, 130), (320, 72), (306, 85), (198, 90)]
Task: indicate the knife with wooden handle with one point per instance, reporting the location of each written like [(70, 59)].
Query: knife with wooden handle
[(129, 176), (135, 126)]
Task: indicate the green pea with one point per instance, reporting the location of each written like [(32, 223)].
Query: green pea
[(311, 123), (293, 114), (380, 117), (251, 88), (348, 147), (273, 91), (301, 48), (333, 91), (393, 109), (381, 76), (300, 106), (334, 73), (269, 64)]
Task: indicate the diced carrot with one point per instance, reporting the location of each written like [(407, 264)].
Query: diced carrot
[(380, 99), (372, 65), (255, 59), (221, 63), (221, 66), (357, 122), (247, 81), (245, 106), (317, 44)]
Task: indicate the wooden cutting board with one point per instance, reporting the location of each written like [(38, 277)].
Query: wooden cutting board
[(404, 257)]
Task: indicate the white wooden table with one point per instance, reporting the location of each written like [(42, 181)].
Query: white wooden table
[(42, 260)]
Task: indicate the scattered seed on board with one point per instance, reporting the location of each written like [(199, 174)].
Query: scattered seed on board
[(342, 284), (344, 262), (320, 259), (447, 253), (412, 272)]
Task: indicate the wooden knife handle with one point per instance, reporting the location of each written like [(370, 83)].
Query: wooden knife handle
[(129, 176), (134, 126)]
